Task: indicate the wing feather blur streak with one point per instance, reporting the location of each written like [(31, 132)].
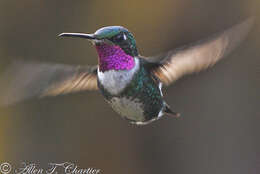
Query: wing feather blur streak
[(200, 55), (24, 80)]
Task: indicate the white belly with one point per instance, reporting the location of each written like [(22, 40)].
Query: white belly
[(115, 81), (129, 108)]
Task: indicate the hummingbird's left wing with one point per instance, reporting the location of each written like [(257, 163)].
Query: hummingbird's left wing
[(201, 55), (23, 80)]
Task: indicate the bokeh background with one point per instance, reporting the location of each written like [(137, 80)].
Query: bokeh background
[(219, 128)]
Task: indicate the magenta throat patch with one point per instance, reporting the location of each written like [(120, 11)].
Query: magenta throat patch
[(112, 57)]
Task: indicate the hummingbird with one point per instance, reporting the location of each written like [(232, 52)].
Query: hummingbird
[(130, 83)]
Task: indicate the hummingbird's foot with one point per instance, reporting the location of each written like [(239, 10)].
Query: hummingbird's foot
[(171, 113)]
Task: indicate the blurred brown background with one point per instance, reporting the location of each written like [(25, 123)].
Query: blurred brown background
[(219, 128)]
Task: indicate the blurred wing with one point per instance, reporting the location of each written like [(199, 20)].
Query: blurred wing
[(200, 55), (24, 80)]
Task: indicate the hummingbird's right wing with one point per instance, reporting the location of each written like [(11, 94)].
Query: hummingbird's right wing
[(23, 80), (198, 56)]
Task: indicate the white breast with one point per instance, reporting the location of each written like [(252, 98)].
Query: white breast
[(115, 81)]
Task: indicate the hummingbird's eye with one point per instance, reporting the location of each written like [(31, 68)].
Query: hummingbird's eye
[(120, 38)]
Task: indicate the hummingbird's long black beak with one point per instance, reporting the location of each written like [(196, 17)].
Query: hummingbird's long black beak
[(80, 35)]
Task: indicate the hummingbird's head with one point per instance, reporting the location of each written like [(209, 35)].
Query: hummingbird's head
[(115, 45), (112, 35)]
